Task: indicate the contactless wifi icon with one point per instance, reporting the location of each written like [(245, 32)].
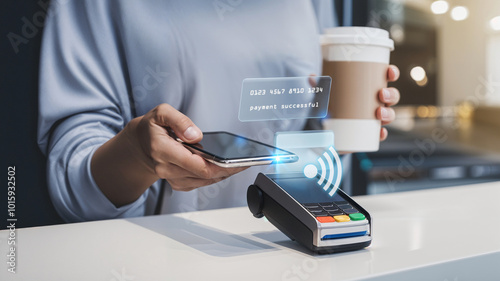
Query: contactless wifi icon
[(330, 173)]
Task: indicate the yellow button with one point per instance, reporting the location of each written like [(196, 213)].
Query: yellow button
[(342, 218)]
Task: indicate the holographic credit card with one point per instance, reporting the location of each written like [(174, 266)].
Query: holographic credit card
[(284, 98)]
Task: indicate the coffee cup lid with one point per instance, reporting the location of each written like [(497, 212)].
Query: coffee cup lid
[(357, 35)]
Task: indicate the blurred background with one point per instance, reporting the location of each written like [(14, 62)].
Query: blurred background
[(447, 130)]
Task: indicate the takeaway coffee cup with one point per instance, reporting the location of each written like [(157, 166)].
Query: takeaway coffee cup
[(357, 59)]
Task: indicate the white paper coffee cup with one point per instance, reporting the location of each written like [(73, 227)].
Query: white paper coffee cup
[(357, 59)]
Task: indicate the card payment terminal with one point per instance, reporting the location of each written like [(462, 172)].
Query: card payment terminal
[(303, 211)]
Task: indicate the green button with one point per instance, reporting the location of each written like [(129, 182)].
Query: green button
[(357, 216)]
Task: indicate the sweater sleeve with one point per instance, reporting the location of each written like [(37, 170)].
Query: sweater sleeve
[(83, 102)]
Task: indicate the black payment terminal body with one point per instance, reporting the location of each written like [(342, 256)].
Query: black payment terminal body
[(303, 211)]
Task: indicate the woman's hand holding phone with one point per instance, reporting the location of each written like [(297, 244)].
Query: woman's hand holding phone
[(143, 152), (172, 161)]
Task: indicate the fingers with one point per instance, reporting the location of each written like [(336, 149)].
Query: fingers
[(383, 134), (385, 114), (392, 73), (194, 166), (171, 160), (389, 96), (185, 180), (312, 80), (166, 116), (189, 183)]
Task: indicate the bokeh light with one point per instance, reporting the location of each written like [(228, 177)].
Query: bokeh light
[(459, 13), (439, 7)]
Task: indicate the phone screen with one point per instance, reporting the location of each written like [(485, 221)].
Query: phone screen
[(226, 146)]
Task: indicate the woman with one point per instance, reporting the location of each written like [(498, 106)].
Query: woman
[(115, 74)]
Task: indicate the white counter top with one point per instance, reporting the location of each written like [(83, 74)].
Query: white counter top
[(441, 234)]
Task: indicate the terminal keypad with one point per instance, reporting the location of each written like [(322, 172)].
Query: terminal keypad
[(339, 211)]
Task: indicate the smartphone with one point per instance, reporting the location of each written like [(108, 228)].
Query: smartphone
[(229, 150)]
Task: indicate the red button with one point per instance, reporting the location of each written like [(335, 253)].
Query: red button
[(325, 219)]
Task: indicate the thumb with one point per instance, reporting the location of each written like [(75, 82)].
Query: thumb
[(167, 116)]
